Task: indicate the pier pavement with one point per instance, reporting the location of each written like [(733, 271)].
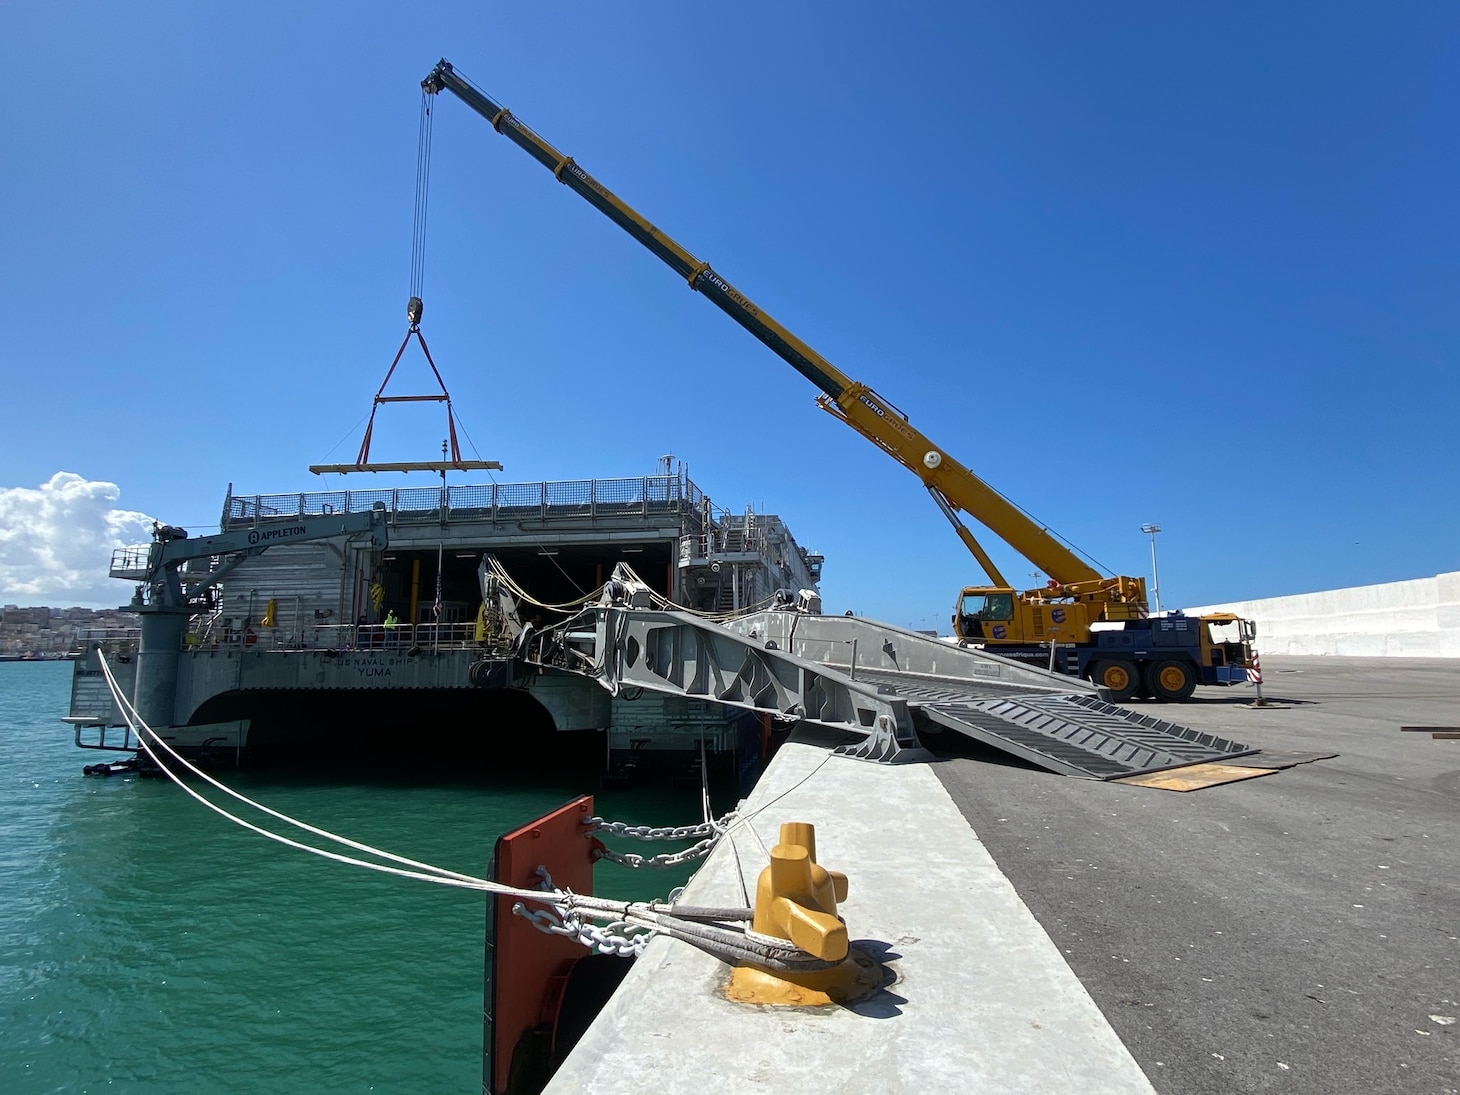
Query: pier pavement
[(983, 1000), (1290, 933), (1293, 933)]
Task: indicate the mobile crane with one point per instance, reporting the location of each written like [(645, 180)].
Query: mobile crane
[(1084, 623)]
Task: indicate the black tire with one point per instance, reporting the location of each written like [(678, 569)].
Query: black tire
[(1118, 676), (1171, 680)]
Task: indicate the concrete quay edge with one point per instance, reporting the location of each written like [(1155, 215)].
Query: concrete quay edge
[(983, 1000)]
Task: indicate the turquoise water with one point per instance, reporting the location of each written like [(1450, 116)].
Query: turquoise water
[(148, 945)]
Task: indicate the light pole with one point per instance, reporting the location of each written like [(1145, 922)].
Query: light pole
[(1155, 573)]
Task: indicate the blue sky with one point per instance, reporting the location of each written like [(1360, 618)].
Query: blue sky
[(1129, 263)]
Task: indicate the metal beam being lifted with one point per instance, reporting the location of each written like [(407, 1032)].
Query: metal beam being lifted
[(440, 467)]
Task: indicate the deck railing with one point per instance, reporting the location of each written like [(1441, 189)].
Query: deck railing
[(640, 495), (402, 638)]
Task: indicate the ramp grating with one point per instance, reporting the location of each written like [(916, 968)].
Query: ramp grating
[(1073, 734)]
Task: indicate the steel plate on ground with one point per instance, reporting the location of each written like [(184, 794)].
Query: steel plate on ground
[(1196, 776)]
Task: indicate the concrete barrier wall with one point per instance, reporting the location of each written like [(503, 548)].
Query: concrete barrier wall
[(1414, 619)]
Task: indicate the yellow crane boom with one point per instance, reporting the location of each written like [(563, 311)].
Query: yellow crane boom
[(953, 486)]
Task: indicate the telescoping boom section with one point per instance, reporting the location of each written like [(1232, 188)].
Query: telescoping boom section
[(952, 484), (1028, 623)]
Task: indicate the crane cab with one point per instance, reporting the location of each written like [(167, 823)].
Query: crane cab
[(1226, 646), (984, 614), (997, 615)]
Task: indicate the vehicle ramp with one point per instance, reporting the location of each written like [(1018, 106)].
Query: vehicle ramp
[(1048, 719), (879, 683), (627, 648)]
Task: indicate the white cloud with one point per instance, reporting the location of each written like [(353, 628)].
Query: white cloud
[(56, 542)]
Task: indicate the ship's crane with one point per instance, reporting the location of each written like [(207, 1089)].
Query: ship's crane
[(1010, 621), (167, 597), (157, 567)]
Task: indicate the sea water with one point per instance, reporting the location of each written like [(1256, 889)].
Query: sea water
[(148, 945)]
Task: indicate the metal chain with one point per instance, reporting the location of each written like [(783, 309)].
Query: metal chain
[(664, 859), (618, 937), (627, 938), (650, 832), (631, 927)]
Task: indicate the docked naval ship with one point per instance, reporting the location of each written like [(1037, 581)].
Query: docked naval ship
[(335, 625)]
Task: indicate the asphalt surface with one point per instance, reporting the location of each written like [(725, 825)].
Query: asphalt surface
[(1291, 933)]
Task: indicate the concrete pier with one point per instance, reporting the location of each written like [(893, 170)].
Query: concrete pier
[(1295, 933), (983, 1000)]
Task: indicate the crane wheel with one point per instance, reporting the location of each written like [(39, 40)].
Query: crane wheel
[(1171, 680), (1119, 677)]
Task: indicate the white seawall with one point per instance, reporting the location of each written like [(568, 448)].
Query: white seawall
[(1419, 618)]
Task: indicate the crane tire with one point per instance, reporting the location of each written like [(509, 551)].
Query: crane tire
[(1171, 680), (1118, 676)]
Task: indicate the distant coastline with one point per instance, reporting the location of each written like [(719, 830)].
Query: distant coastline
[(42, 633)]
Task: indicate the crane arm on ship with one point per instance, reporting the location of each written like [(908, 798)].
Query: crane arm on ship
[(953, 486), (159, 569)]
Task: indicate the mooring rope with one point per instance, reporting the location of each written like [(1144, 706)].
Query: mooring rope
[(147, 738), (632, 923)]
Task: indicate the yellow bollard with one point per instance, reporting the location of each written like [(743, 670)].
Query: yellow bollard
[(796, 899)]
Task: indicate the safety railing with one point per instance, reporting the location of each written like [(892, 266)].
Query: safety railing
[(402, 638), (565, 498), (130, 561), (113, 640)]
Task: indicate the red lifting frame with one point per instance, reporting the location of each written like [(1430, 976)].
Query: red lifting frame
[(363, 460)]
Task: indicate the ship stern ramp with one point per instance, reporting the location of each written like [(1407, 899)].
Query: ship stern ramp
[(1051, 720), (632, 650)]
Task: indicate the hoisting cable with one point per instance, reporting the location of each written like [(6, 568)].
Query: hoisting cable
[(658, 599), (414, 307), (698, 927), (469, 441), (423, 199)]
